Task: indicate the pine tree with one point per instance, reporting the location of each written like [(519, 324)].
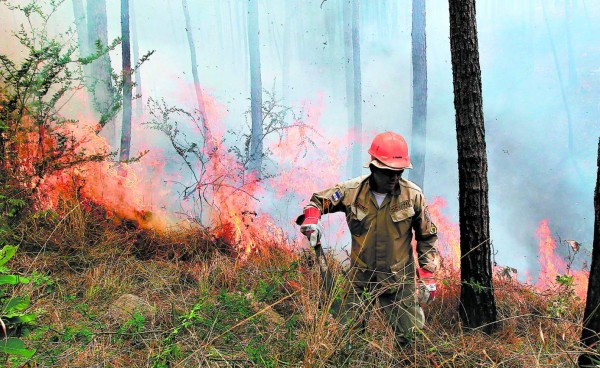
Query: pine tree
[(477, 305)]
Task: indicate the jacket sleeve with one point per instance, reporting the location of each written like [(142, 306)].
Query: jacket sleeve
[(426, 236), (327, 201)]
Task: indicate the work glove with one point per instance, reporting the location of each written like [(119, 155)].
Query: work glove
[(427, 288), (311, 226)]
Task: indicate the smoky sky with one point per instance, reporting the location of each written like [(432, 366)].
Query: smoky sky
[(540, 63)]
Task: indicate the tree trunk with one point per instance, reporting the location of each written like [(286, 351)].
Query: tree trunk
[(136, 59), (419, 108), (563, 92), (285, 69), (256, 136), (83, 41), (82, 37), (126, 50), (243, 27), (357, 84), (349, 69), (101, 82), (192, 45), (477, 304), (591, 317)]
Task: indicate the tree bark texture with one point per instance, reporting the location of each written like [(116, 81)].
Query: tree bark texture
[(192, 46), (127, 94), (101, 82), (591, 317), (357, 83), (419, 107), (477, 304), (256, 136)]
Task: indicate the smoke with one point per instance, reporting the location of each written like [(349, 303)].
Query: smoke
[(533, 175)]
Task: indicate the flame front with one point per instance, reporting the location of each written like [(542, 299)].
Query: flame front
[(237, 203)]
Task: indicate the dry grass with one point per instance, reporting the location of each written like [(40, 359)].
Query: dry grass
[(212, 309)]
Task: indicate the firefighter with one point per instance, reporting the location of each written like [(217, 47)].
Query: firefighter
[(382, 211)]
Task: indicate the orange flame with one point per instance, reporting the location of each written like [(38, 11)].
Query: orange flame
[(551, 265), (448, 234)]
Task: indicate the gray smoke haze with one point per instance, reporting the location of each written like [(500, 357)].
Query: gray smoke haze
[(531, 52)]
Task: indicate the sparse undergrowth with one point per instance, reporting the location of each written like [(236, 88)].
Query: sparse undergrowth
[(206, 307)]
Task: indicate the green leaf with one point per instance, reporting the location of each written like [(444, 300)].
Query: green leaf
[(27, 318), (6, 253), (13, 280), (16, 304), (14, 346)]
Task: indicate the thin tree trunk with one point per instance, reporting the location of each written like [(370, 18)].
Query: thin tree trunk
[(126, 50), (591, 317), (349, 72), (197, 88), (419, 108), (80, 21), (285, 69), (477, 305), (83, 42), (256, 137), (101, 80), (561, 83), (136, 58), (357, 128), (243, 27)]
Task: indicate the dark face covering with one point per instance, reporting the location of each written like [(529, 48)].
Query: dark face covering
[(385, 180)]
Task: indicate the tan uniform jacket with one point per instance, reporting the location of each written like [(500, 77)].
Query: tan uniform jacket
[(382, 235)]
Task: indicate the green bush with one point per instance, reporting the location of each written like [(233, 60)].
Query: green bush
[(13, 307)]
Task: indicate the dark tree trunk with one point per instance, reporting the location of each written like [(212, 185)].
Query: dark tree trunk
[(192, 46), (477, 304), (591, 317), (126, 50), (256, 136), (419, 108), (136, 58), (101, 82)]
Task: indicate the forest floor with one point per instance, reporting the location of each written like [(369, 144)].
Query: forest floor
[(195, 304)]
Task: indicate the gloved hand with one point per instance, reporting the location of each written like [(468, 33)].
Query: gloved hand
[(427, 287), (311, 226)]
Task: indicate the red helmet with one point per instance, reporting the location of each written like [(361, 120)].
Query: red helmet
[(391, 150)]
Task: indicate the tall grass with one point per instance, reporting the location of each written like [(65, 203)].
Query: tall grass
[(211, 309)]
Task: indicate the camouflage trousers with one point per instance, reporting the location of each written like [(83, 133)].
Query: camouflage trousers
[(394, 299)]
